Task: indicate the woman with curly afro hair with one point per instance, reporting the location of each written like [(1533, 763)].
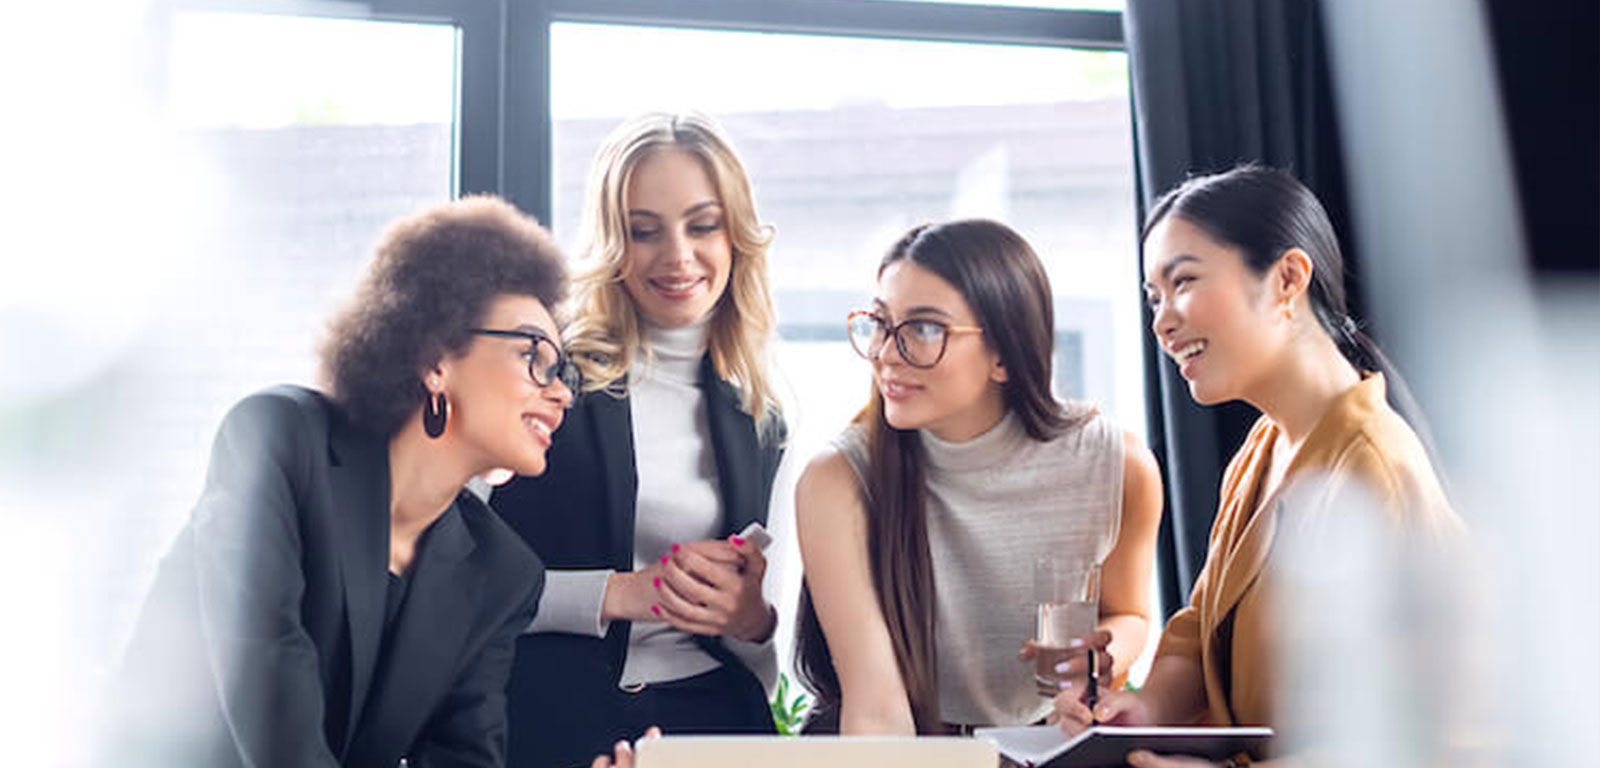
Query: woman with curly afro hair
[(337, 599)]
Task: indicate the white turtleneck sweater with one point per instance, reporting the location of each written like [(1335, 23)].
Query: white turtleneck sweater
[(678, 501)]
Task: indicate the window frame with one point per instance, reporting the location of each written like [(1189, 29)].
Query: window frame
[(503, 83)]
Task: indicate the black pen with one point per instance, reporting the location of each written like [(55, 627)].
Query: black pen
[(1094, 686)]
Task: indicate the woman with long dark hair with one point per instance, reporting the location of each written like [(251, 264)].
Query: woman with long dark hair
[(1246, 283), (919, 529)]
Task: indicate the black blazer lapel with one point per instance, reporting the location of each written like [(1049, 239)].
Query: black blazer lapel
[(422, 659), (359, 477), (744, 466), (611, 423), (745, 469)]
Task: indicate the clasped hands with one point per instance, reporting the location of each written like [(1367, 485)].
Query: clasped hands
[(708, 587)]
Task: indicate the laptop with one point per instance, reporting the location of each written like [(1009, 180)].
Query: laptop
[(814, 751)]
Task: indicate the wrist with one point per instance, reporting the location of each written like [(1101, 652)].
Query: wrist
[(620, 602), (761, 631), (609, 598)]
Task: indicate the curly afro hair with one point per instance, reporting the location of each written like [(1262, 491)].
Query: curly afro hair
[(432, 279)]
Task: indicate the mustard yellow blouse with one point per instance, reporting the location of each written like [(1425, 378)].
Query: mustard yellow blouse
[(1360, 439)]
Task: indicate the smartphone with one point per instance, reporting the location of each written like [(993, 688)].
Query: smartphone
[(756, 534)]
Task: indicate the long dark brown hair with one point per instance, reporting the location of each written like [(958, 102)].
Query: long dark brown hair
[(1004, 283)]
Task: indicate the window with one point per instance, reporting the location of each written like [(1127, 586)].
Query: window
[(305, 137), (851, 141)]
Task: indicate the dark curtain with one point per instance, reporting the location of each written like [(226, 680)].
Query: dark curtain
[(1216, 83), (1548, 58)]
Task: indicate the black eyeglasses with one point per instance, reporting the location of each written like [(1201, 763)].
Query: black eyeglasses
[(920, 341), (547, 364)]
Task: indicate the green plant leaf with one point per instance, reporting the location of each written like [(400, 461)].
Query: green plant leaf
[(788, 714)]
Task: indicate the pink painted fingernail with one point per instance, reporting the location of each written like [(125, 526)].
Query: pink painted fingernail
[(1064, 684), (657, 582), (738, 542), (663, 559), (1062, 667), (655, 609), (675, 547), (1076, 642)]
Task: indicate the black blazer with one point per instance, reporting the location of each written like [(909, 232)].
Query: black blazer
[(580, 515), (262, 641)]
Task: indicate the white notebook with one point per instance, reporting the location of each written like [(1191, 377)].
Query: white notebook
[(814, 751), (1105, 746)]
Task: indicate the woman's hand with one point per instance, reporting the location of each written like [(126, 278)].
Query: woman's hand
[(622, 753), (713, 587), (1070, 670), (1114, 708)]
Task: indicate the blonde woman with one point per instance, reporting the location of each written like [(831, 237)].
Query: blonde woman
[(654, 612)]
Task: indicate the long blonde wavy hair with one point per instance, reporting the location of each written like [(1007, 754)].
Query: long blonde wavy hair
[(602, 324)]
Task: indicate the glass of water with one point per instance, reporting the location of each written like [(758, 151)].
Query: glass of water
[(1067, 591)]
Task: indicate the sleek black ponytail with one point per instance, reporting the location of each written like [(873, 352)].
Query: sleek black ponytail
[(1264, 212)]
